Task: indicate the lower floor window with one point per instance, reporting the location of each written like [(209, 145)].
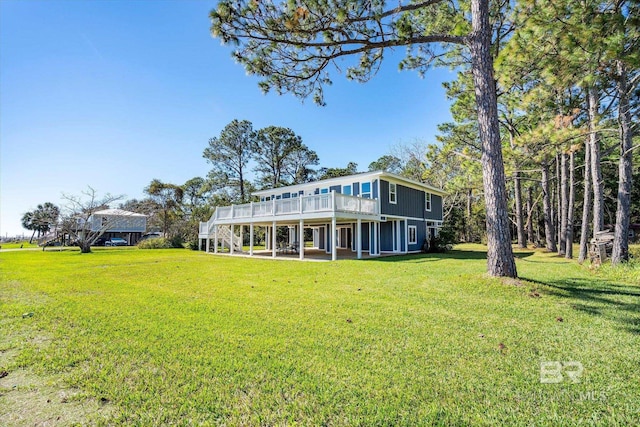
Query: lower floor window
[(413, 235)]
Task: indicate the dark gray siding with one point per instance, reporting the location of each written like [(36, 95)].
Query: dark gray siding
[(365, 236), (386, 236), (328, 237), (356, 188), (436, 208), (336, 188), (421, 233), (410, 202), (321, 238)]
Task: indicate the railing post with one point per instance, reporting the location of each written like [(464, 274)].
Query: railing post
[(273, 209), (232, 211), (251, 207), (333, 200)]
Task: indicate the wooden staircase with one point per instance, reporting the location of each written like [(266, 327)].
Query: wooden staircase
[(224, 237)]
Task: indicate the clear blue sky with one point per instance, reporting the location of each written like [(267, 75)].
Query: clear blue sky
[(113, 94)]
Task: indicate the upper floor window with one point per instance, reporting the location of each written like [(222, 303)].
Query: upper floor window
[(346, 189), (427, 202), (393, 193), (365, 190), (324, 191)]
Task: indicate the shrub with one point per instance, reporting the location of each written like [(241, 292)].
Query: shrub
[(155, 243), (176, 242), (443, 242)]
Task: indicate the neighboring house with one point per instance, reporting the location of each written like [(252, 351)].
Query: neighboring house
[(373, 212), (119, 223)]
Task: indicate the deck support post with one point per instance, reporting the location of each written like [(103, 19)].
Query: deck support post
[(215, 239), (406, 236), (374, 249), (359, 238), (208, 244), (267, 241), (273, 240), (301, 240), (251, 239), (334, 246)]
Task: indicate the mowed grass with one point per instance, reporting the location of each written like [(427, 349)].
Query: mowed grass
[(180, 337)]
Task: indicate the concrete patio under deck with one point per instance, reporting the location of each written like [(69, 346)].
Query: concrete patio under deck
[(310, 254)]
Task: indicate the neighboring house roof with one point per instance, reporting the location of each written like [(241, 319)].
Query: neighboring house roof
[(117, 212), (360, 176)]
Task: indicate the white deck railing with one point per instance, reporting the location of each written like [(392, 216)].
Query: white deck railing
[(329, 203)]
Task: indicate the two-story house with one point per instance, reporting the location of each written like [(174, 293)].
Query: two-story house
[(374, 213)]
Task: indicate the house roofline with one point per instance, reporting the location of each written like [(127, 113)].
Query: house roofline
[(117, 212), (376, 174)]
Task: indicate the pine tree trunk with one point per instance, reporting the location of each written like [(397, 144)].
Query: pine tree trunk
[(500, 260), (586, 207), (537, 225), (570, 206), (621, 235), (596, 171), (549, 230), (468, 233), (241, 182), (530, 236), (564, 203), (522, 239), (559, 198)]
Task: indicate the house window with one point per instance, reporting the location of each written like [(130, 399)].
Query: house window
[(346, 189), (413, 235), (393, 193), (427, 202), (294, 194), (365, 190), (324, 191)]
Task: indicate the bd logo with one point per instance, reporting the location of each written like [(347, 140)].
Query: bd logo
[(555, 372)]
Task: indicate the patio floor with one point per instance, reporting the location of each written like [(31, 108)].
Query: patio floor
[(310, 254)]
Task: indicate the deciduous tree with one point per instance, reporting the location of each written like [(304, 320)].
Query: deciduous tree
[(78, 220)]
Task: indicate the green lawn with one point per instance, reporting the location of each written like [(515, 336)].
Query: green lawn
[(152, 337), (18, 245)]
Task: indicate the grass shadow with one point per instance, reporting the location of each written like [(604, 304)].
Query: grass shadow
[(598, 297), (437, 256)]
